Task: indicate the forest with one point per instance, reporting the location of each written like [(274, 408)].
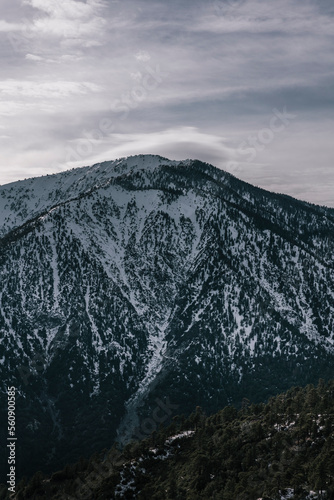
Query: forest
[(274, 451)]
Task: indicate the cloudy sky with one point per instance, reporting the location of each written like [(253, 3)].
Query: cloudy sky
[(246, 85)]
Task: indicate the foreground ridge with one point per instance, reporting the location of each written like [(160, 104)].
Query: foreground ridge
[(281, 450)]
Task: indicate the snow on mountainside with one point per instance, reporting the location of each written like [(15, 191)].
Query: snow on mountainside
[(24, 200), (142, 279)]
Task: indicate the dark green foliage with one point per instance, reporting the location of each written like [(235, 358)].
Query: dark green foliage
[(257, 452)]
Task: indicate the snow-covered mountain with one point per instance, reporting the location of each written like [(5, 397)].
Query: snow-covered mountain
[(143, 280)]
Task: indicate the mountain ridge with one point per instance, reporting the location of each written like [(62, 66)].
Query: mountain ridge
[(119, 163)]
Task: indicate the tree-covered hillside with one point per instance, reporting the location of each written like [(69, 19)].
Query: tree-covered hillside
[(279, 450)]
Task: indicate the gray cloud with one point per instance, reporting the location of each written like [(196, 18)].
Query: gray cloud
[(180, 79)]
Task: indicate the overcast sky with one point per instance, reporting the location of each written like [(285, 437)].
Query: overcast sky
[(246, 85)]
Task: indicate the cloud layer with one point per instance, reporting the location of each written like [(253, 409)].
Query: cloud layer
[(83, 81)]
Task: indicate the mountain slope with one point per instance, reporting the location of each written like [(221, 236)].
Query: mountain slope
[(144, 279)]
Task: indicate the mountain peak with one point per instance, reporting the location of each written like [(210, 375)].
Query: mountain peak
[(24, 200), (145, 279)]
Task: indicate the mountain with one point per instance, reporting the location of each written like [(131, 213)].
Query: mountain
[(278, 451), (137, 289)]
